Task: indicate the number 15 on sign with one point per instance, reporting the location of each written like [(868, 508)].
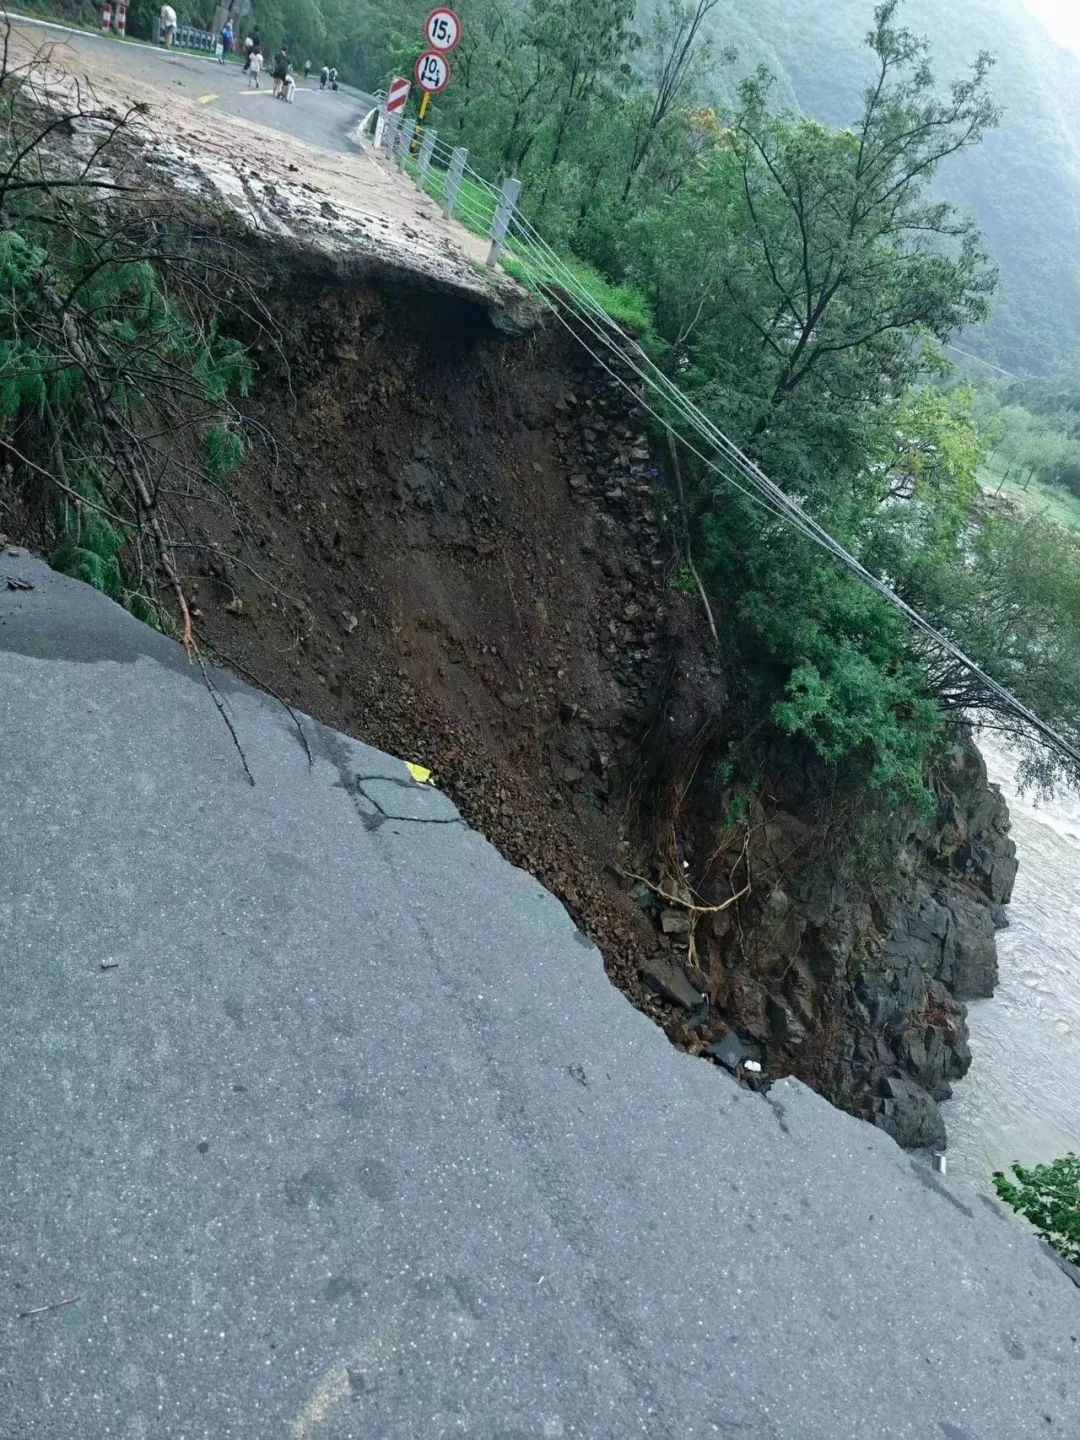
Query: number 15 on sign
[(442, 29)]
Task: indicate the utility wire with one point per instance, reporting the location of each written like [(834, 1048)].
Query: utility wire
[(762, 489), (563, 293)]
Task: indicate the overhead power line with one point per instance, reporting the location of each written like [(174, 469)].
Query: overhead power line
[(563, 294)]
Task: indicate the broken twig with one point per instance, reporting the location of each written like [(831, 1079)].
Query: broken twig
[(44, 1309)]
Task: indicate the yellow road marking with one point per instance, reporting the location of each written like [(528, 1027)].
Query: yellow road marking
[(333, 1390), (205, 99), (349, 1378)]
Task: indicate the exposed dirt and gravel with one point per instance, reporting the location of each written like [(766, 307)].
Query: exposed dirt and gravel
[(449, 540), (470, 569)]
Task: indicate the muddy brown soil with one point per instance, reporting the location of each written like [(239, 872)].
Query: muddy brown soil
[(470, 568), (459, 552)]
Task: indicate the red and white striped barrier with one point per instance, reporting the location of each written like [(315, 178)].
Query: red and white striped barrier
[(397, 96), (106, 16), (121, 17)]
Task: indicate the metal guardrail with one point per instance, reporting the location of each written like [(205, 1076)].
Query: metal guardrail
[(407, 142), (187, 37)]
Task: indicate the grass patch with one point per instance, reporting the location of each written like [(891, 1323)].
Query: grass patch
[(1035, 496), (629, 307), (475, 206), (475, 209)]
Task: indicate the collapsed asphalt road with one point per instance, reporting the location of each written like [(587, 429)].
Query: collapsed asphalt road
[(317, 1119)]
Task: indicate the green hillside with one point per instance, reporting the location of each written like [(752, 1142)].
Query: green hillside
[(1023, 184)]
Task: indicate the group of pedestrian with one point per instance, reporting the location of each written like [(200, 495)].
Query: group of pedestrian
[(282, 75)]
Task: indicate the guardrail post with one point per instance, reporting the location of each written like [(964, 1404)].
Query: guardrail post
[(390, 132), (381, 122), (453, 180), (501, 223), (423, 165), (404, 140)]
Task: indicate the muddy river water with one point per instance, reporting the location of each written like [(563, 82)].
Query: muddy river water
[(1021, 1098)]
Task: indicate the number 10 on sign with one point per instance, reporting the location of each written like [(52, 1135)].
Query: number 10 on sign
[(432, 72)]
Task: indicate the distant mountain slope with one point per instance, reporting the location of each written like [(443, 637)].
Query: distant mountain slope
[(1023, 184)]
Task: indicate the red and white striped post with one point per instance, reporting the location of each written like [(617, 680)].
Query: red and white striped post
[(397, 95), (121, 17), (106, 16)]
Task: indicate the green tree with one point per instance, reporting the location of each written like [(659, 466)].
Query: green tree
[(677, 54), (111, 359), (848, 252), (586, 49)]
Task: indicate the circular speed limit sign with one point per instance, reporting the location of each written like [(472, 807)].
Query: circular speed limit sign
[(432, 72), (443, 29)]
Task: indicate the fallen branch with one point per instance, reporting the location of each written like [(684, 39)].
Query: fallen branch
[(687, 904), (255, 680), (220, 703)]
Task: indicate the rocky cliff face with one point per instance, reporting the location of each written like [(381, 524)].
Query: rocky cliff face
[(854, 980)]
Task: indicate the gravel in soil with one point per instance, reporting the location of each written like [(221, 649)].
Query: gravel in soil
[(459, 556)]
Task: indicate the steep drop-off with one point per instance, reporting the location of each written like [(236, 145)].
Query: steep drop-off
[(461, 551)]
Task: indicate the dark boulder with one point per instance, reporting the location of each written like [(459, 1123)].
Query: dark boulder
[(908, 1113)]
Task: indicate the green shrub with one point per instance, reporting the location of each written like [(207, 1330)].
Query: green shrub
[(1049, 1196)]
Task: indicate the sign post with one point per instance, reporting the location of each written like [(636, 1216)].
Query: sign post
[(442, 31)]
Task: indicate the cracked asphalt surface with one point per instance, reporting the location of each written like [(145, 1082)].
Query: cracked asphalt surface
[(328, 1124)]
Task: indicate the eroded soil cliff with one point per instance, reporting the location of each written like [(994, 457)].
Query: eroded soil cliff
[(458, 545)]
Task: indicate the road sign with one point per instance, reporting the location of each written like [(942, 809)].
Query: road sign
[(432, 72), (443, 29), (397, 95)]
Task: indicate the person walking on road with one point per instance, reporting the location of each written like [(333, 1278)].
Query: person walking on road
[(307, 68), (226, 42), (254, 67), (281, 69), (168, 25), (324, 76)]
